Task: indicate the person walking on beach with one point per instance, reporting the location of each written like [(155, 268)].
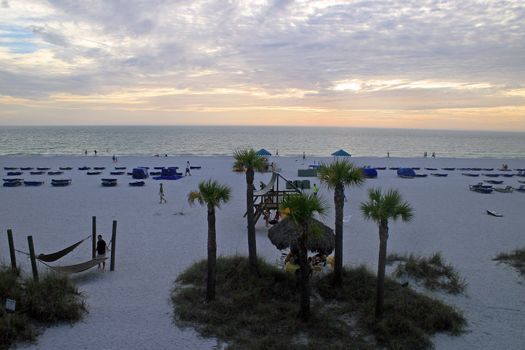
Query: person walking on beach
[(187, 172), (161, 194), (304, 156), (316, 189), (101, 251), (95, 151)]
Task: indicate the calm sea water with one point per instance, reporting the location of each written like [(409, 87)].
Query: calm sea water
[(288, 141)]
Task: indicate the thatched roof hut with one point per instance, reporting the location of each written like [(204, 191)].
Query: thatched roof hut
[(284, 234)]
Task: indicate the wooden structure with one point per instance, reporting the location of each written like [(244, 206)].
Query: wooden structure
[(272, 194)]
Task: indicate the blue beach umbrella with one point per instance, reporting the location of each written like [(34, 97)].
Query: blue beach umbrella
[(341, 153), (263, 152)]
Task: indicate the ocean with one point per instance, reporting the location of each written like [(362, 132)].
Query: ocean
[(286, 141)]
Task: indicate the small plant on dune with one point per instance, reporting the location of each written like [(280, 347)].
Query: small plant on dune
[(53, 299), (432, 271), (516, 259)]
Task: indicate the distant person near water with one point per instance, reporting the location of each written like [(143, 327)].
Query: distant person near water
[(101, 251), (187, 172), (161, 194), (433, 154), (304, 156), (95, 151)]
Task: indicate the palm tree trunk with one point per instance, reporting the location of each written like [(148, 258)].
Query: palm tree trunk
[(339, 205), (304, 269), (212, 255), (380, 296), (250, 219)]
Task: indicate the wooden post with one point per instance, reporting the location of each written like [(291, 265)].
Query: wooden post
[(93, 237), (11, 249), (33, 258), (113, 245)]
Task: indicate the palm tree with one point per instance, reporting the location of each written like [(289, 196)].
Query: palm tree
[(336, 176), (381, 208), (211, 194), (249, 160), (302, 208)]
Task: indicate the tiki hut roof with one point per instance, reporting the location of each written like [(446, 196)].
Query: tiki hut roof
[(341, 153), (284, 235), (263, 152)]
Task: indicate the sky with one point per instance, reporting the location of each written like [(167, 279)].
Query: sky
[(391, 64)]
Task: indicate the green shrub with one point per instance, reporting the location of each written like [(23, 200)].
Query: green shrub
[(53, 299), (432, 271), (260, 313), (516, 259)]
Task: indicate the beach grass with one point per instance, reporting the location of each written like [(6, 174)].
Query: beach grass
[(52, 300), (261, 313), (516, 259), (433, 272)]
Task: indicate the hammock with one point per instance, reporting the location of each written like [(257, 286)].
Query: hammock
[(55, 256), (78, 267)]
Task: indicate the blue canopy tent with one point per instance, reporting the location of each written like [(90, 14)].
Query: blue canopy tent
[(341, 153), (369, 173), (407, 173), (263, 152)]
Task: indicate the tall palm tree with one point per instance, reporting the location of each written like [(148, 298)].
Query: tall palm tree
[(212, 194), (336, 176), (302, 208), (249, 160), (381, 208)]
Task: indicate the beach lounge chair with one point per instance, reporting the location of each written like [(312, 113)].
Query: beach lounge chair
[(439, 174), (470, 174), (12, 183), (10, 168), (430, 168), (66, 168), (193, 167), (14, 173), (84, 168), (120, 168), (109, 182), (40, 172), (506, 189), (60, 182), (137, 183), (94, 173), (45, 169), (116, 172), (33, 183), (421, 175), (99, 168), (26, 168), (480, 188), (55, 172), (494, 182), (448, 169)]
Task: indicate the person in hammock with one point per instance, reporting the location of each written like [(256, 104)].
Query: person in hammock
[(101, 251)]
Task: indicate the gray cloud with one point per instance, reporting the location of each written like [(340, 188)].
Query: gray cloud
[(282, 45)]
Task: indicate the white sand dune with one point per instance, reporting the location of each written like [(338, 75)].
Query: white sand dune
[(130, 309)]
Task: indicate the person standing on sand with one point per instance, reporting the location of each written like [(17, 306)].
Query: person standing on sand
[(101, 251), (187, 172), (95, 151), (161, 194), (316, 189)]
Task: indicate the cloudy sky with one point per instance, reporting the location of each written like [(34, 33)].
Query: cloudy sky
[(400, 63)]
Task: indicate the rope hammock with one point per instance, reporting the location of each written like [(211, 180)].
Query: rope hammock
[(57, 255), (78, 267)]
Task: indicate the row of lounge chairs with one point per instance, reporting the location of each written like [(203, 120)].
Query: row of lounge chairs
[(482, 188)]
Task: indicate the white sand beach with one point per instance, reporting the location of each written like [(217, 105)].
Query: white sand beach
[(130, 309)]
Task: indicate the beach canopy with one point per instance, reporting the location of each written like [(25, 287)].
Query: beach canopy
[(284, 234), (263, 152), (341, 153)]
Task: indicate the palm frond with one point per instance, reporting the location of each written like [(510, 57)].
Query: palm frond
[(340, 172), (248, 158)]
